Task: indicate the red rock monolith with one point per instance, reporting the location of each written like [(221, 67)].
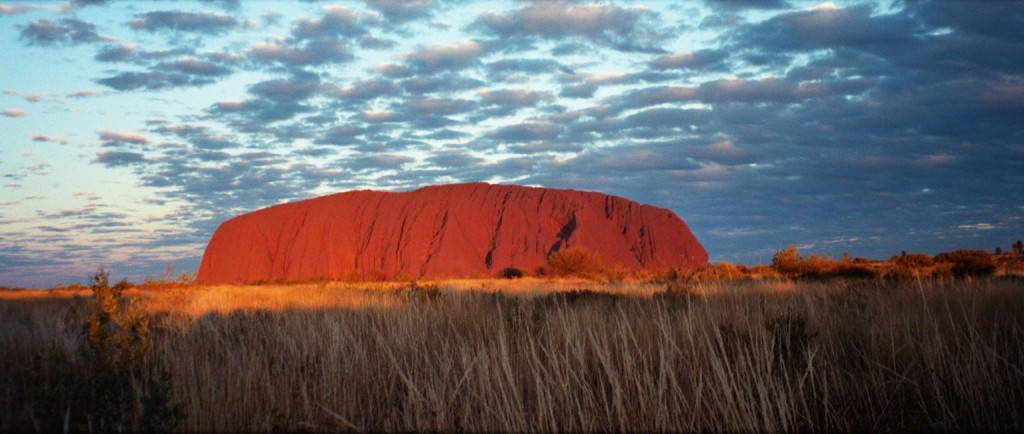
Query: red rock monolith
[(455, 230)]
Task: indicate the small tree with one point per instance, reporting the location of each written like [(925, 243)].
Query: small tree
[(787, 261), (1018, 247), (123, 386), (574, 261)]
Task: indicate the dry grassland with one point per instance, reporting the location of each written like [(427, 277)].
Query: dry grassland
[(543, 355)]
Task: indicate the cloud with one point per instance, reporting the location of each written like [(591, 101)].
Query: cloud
[(119, 158), (977, 227), (84, 3), (584, 90), (275, 100), (305, 53), (14, 9), (526, 132), (119, 137), (400, 11), (185, 70), (377, 162), (82, 94), (501, 69), (335, 21), (763, 90), (748, 4), (193, 66), (14, 113), (154, 80), (321, 40), (364, 90), (447, 82), (342, 135), (379, 116), (45, 138), (700, 59), (297, 88), (181, 21), (825, 27), (126, 52), (651, 96), (66, 31), (253, 115), (456, 159), (626, 29), (438, 106), (513, 97), (448, 57), (201, 137)]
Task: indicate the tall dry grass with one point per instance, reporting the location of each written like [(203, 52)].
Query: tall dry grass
[(539, 355)]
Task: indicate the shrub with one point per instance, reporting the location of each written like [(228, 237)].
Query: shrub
[(764, 272), (915, 260), (787, 261), (574, 261), (958, 255), (715, 272), (679, 274), (910, 265), (855, 272), (816, 266), (511, 273), (122, 387), (977, 264)]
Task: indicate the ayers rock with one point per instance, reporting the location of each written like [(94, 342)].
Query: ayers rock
[(446, 231)]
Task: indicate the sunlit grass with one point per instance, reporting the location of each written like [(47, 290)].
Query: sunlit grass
[(550, 355)]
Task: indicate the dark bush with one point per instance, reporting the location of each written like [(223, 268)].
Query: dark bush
[(855, 272), (968, 263), (959, 255), (511, 273), (974, 266)]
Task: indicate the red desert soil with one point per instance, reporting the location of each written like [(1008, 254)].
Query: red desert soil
[(443, 231)]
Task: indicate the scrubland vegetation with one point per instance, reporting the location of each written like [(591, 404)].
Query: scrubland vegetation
[(806, 344)]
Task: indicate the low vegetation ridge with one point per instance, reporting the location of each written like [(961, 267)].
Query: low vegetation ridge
[(803, 344)]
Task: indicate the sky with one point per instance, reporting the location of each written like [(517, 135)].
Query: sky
[(130, 130)]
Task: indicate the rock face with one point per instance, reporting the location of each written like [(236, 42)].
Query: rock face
[(446, 231)]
